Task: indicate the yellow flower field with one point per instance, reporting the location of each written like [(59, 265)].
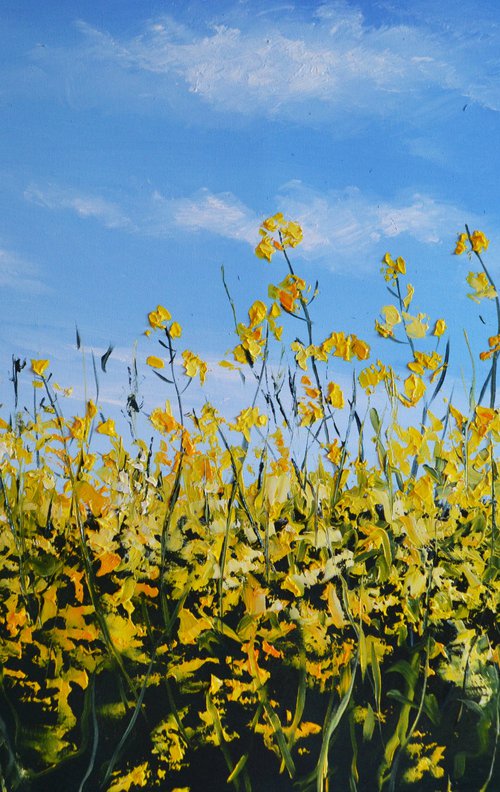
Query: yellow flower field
[(213, 611)]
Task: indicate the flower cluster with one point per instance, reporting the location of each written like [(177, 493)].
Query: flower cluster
[(277, 234), (393, 268), (477, 240)]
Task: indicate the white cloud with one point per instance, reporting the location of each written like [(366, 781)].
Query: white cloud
[(86, 206), (340, 226), (221, 214), (157, 216), (336, 58), (346, 226), (17, 273)]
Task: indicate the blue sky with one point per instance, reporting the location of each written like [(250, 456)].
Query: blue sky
[(143, 143)]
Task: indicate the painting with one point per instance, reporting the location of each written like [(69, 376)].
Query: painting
[(249, 421)]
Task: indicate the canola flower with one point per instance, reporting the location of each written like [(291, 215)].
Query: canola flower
[(477, 242), (209, 605)]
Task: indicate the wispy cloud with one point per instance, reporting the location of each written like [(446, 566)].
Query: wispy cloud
[(340, 226), (335, 58), (18, 273), (222, 214), (155, 215), (86, 206), (347, 225)]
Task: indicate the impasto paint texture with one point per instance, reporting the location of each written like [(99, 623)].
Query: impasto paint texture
[(249, 423)]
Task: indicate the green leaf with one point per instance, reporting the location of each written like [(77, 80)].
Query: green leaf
[(403, 668), (375, 420)]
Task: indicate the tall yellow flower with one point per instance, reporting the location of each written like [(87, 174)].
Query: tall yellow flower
[(157, 319), (107, 428), (481, 285), (39, 367), (289, 235), (194, 365), (439, 328), (393, 268), (461, 244), (334, 395), (163, 420), (479, 241), (414, 388)]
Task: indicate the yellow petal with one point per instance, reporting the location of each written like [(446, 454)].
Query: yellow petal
[(439, 327), (107, 428), (39, 366), (109, 561), (175, 330), (155, 362)]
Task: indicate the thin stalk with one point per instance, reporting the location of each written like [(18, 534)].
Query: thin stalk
[(493, 370), (309, 323), (225, 544)]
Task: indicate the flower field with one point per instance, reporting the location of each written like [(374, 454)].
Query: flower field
[(303, 596)]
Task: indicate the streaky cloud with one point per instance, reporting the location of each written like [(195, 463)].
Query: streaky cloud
[(336, 59), (19, 274), (84, 205)]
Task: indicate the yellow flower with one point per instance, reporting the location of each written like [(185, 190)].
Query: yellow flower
[(461, 245), (359, 348), (257, 313), (157, 319), (272, 223), (247, 418), (310, 391), (383, 330), (422, 361), (410, 291), (163, 420), (393, 269), (416, 326), (370, 377), (439, 327), (90, 410), (334, 452), (107, 428), (134, 778), (494, 343), (175, 330), (265, 249), (479, 241), (311, 412), (414, 387), (483, 418), (155, 362), (289, 235), (481, 285), (286, 300), (301, 354), (252, 343), (39, 367), (292, 234), (334, 395), (194, 365), (391, 315), (78, 428)]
